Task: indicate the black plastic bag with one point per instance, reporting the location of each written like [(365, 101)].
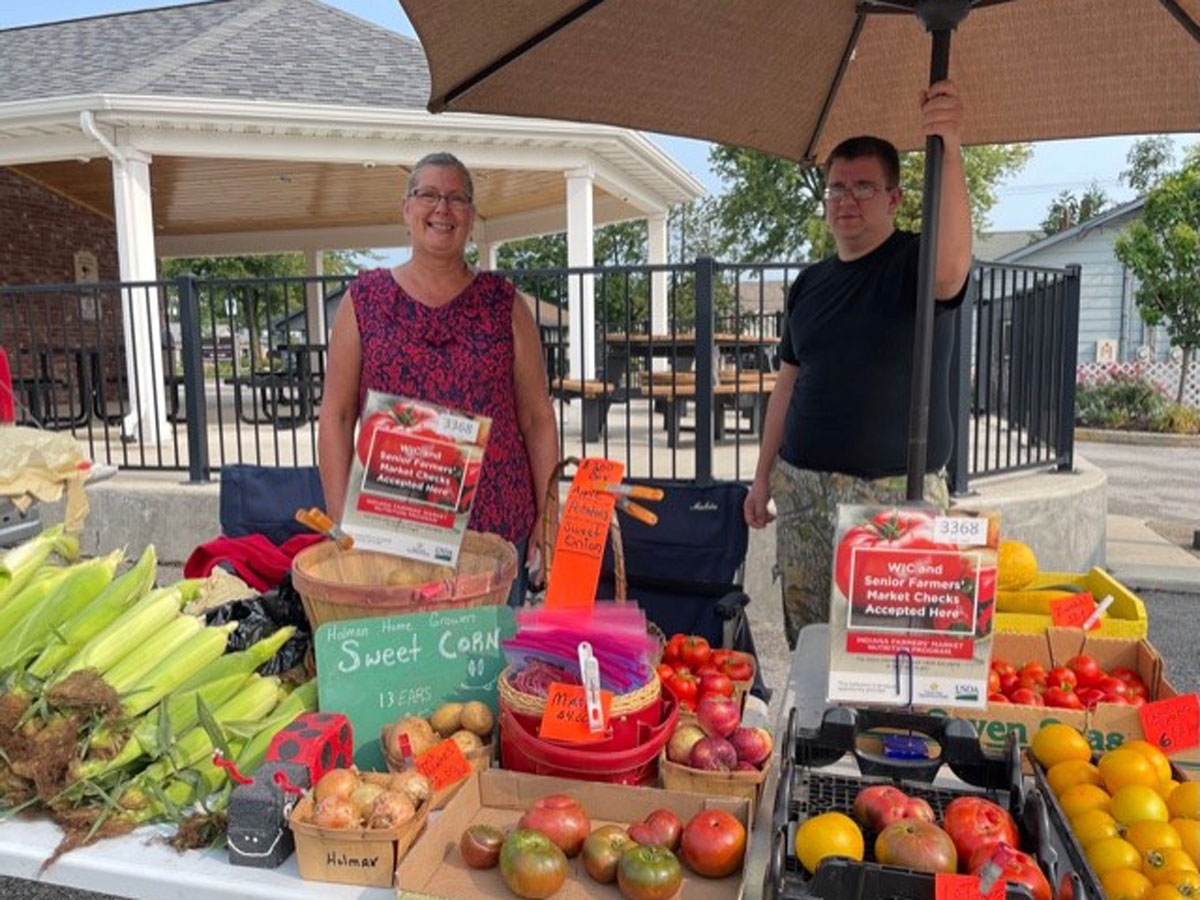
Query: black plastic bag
[(262, 616)]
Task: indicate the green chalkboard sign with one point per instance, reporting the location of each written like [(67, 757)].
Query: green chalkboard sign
[(376, 671)]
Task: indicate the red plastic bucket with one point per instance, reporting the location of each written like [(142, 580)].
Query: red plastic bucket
[(612, 761)]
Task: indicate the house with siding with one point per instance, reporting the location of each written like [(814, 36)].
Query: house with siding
[(1110, 326)]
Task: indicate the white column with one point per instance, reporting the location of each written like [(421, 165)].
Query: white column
[(656, 228), (486, 252), (581, 291), (314, 301), (141, 314)]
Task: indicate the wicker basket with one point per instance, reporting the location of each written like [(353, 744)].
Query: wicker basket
[(713, 784), (533, 706), (356, 584)]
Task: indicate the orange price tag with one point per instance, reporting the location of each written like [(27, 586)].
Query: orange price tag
[(964, 887), (566, 718), (582, 533), (1073, 611), (443, 764), (1173, 724)]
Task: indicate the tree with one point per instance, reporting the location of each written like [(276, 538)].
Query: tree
[(264, 304), (772, 209), (1149, 159), (1066, 210), (1163, 250)]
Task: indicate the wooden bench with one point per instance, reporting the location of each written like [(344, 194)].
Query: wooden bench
[(596, 397), (748, 393)]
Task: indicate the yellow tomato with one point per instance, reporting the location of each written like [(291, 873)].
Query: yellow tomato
[(1125, 884), (1164, 892), (830, 834), (1189, 837), (1186, 881), (1070, 773), (1149, 835), (1111, 854), (1165, 788), (1056, 743), (1122, 767), (1184, 801), (1094, 825), (1083, 797), (1137, 803), (1163, 865), (1162, 765)]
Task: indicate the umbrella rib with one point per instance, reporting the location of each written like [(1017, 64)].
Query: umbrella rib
[(514, 54), (1180, 16), (827, 105)]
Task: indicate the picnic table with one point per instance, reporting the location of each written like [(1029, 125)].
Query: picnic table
[(287, 392)]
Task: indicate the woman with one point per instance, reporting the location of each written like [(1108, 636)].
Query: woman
[(435, 330)]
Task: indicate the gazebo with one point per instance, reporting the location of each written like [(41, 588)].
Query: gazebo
[(247, 126)]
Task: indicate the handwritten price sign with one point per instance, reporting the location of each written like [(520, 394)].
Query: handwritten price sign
[(566, 717), (964, 887), (1073, 611), (443, 764), (1173, 724)]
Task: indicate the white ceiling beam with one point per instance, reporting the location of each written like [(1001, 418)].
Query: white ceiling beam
[(355, 237), (619, 184)]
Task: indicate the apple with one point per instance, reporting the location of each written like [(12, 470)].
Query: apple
[(718, 715), (679, 748), (713, 754), (744, 766), (753, 745)]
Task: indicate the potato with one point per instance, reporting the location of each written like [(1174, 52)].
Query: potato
[(467, 741), (478, 718), (446, 718), (420, 736)]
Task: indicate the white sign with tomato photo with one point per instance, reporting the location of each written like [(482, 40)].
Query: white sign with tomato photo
[(413, 478), (913, 589)]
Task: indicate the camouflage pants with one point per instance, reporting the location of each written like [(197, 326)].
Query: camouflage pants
[(806, 518)]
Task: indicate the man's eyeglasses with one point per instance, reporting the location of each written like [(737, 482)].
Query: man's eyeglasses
[(431, 198), (860, 190)]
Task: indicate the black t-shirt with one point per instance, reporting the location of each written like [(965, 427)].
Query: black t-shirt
[(849, 328)]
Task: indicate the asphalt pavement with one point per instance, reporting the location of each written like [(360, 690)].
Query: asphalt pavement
[(1158, 484)]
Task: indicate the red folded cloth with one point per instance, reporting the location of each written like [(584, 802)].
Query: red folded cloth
[(255, 559)]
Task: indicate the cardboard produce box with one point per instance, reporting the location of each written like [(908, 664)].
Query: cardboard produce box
[(1106, 727), (434, 868), (1125, 618)]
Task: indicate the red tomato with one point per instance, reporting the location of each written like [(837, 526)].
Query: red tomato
[(716, 684), (674, 648), (1112, 687), (1035, 683), (719, 656), (714, 843), (684, 686), (1002, 668), (706, 669), (1134, 700), (665, 673), (1062, 698), (973, 822), (1089, 697), (695, 651), (1086, 670), (1026, 697), (739, 669), (1127, 675), (1009, 682), (1033, 670), (1136, 689), (993, 682), (899, 529), (998, 698), (1062, 677), (1018, 867)]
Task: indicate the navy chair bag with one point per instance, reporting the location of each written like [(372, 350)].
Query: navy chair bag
[(264, 499)]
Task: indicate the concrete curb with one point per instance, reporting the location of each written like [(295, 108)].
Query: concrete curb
[(1175, 579), (1140, 438)]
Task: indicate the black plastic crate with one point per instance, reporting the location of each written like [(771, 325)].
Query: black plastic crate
[(803, 791)]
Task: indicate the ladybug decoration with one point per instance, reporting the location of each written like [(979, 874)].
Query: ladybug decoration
[(318, 741), (259, 808)]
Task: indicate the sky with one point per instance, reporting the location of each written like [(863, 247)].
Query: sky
[(1054, 167)]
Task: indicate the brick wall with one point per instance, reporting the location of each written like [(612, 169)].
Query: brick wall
[(40, 232)]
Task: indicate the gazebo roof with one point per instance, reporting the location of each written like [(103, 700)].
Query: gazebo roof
[(283, 124), (298, 51)]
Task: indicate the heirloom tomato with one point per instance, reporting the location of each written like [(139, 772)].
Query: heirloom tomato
[(896, 529)]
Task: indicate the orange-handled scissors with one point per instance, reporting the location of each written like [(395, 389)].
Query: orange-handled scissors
[(317, 520)]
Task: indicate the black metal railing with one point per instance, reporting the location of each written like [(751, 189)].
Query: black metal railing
[(673, 379)]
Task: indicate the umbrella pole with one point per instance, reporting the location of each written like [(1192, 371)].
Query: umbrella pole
[(940, 18)]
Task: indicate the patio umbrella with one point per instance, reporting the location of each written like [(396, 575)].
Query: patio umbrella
[(793, 77)]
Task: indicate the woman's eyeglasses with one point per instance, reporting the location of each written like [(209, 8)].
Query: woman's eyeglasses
[(431, 198)]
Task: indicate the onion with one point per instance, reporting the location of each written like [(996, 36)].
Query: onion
[(335, 812), (391, 810), (363, 798), (337, 783)]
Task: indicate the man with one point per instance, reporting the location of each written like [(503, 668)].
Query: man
[(836, 429)]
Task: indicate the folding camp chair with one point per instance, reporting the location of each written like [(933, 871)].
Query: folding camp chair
[(685, 571)]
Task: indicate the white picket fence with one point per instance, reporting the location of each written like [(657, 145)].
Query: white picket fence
[(1163, 373)]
